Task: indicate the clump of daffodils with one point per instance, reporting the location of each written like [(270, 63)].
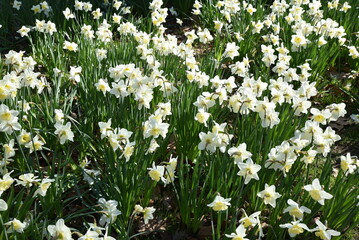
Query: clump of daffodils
[(166, 173), (119, 138)]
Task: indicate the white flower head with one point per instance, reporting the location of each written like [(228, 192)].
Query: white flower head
[(220, 203), (109, 210), (316, 191), (239, 234), (294, 210), (248, 170), (295, 228), (15, 225), (250, 220), (148, 214), (323, 232), (269, 195), (59, 230)]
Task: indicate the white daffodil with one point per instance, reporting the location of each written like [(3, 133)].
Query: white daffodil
[(15, 225), (239, 153), (248, 170), (269, 195), (148, 214), (296, 211), (295, 228), (239, 234), (323, 232), (109, 210), (220, 203), (59, 230), (250, 220), (316, 191)]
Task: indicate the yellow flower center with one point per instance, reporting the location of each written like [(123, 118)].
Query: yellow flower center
[(247, 222), (16, 225), (6, 116), (344, 165), (155, 131), (237, 238), (155, 175), (45, 186), (25, 139), (60, 236), (295, 230), (296, 213), (5, 184), (320, 234), (267, 196), (220, 206), (37, 146), (315, 194), (319, 118)]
